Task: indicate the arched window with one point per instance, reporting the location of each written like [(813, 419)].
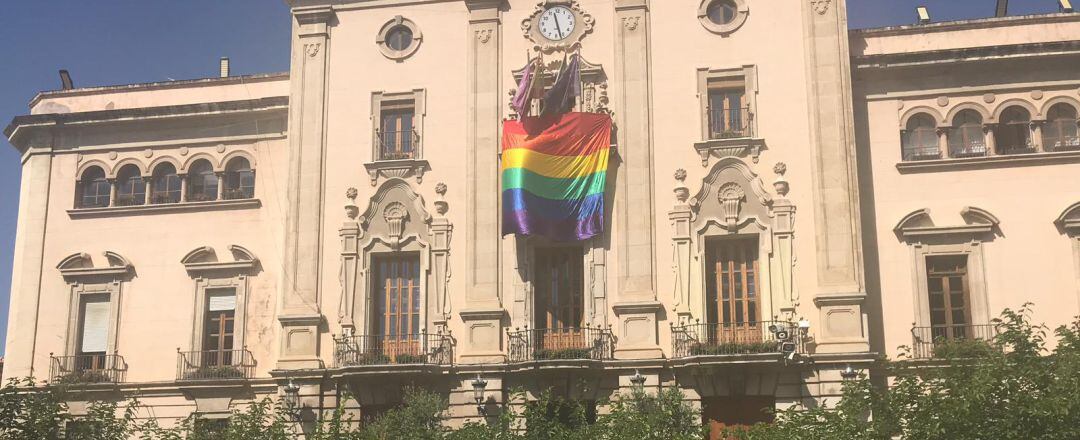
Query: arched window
[(1013, 133), (1060, 131), (966, 137), (202, 182), (921, 138), (130, 187), (239, 179), (165, 186), (93, 188)]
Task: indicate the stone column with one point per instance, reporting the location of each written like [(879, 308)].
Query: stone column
[(299, 311), (840, 290), (636, 305), (21, 355), (483, 312), (183, 187), (220, 185), (112, 191)]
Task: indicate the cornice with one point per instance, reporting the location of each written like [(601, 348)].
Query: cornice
[(959, 25), (965, 54)]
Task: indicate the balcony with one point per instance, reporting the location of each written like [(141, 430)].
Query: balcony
[(914, 153), (589, 343), (397, 145), (730, 123), (730, 339), (944, 341), (83, 369), (414, 349), (214, 365)]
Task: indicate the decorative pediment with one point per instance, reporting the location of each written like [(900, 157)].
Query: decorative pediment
[(82, 265), (395, 213), (919, 224), (205, 259), (594, 84), (731, 196), (1069, 220)]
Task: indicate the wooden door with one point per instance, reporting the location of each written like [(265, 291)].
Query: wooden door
[(950, 307), (721, 413), (733, 291), (559, 297), (397, 304)]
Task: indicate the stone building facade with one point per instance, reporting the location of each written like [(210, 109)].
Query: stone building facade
[(788, 201)]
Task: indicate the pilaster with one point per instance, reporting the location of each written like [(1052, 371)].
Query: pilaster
[(681, 215), (28, 263), (634, 221), (840, 286), (483, 313), (299, 309)]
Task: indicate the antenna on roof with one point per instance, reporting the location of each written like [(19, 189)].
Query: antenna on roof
[(1002, 8), (1065, 6), (65, 80), (924, 14)]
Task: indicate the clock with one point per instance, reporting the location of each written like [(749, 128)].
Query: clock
[(557, 23)]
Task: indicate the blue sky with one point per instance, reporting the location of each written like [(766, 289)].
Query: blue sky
[(103, 42)]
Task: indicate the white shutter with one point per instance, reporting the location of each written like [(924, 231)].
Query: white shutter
[(95, 324), (222, 301)]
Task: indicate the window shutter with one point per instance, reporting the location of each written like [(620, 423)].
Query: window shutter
[(222, 301), (95, 324)]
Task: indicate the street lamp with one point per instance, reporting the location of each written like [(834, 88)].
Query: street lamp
[(291, 397), (849, 373), (478, 386), (638, 382)]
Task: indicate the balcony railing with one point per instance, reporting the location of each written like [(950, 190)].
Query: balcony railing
[(414, 349), (122, 200), (728, 123), (561, 344), (397, 145), (729, 339), (963, 340), (214, 365), (238, 193), (87, 369), (1064, 143), (922, 153)]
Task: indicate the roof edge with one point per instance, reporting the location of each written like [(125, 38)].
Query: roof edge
[(957, 25), (197, 82)]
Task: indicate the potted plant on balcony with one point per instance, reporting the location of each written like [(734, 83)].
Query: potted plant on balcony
[(215, 372)]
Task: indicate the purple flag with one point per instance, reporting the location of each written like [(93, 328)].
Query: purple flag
[(563, 95), (521, 98)]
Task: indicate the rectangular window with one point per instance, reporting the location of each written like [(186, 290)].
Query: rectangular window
[(721, 413), (950, 307), (219, 329), (560, 298), (397, 138), (732, 290), (397, 304), (728, 111), (94, 310)]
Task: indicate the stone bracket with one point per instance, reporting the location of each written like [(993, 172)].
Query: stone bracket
[(397, 168), (736, 147)]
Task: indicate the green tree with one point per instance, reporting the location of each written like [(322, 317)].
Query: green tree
[(643, 416), (1016, 389)]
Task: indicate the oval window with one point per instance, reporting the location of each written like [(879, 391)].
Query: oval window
[(722, 12), (399, 38)]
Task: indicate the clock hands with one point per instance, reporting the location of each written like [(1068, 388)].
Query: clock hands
[(558, 26)]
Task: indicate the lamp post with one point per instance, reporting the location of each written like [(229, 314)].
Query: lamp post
[(478, 386)]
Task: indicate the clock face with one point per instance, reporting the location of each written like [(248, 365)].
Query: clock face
[(557, 23)]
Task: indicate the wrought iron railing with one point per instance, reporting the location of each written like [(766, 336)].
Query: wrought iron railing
[(922, 153), (129, 200), (412, 349), (727, 123), (727, 339), (398, 144), (938, 341), (87, 369), (1063, 143), (561, 343), (975, 148), (240, 193), (214, 365)]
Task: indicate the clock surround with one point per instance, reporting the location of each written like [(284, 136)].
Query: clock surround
[(534, 31)]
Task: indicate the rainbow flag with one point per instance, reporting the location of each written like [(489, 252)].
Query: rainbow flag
[(554, 169)]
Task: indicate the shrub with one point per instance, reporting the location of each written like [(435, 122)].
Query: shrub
[(563, 353)]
